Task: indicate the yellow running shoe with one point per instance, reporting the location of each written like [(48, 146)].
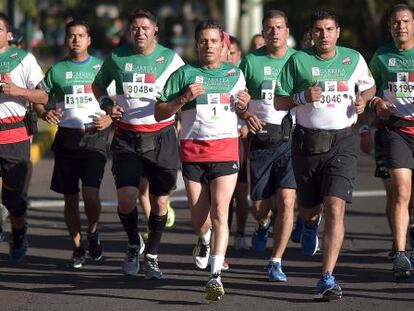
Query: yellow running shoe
[(214, 288), (170, 216)]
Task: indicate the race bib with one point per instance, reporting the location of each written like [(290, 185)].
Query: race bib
[(329, 100), (401, 89), (268, 89), (78, 101), (142, 85), (214, 107)]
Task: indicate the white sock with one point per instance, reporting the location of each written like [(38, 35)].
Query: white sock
[(274, 259), (216, 262), (206, 237)]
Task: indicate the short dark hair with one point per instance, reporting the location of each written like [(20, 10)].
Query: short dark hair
[(77, 22), (234, 40), (323, 14), (398, 8), (273, 14), (6, 21), (208, 24), (142, 13)]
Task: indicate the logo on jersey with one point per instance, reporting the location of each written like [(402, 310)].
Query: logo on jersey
[(14, 55), (97, 67), (402, 77), (315, 71), (199, 79), (160, 60), (347, 61), (231, 72), (267, 70), (128, 67), (69, 75), (392, 62)]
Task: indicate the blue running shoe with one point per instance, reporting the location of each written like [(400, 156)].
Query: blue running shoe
[(401, 266), (309, 239), (17, 252), (259, 238), (411, 236), (274, 270), (327, 289), (297, 231)]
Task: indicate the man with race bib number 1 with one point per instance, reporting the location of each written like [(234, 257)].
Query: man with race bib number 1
[(329, 85), (141, 146)]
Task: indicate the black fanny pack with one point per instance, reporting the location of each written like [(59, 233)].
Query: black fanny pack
[(316, 141), (143, 142), (270, 134), (95, 140)]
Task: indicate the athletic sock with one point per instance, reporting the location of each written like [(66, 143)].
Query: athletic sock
[(130, 224), (156, 226)]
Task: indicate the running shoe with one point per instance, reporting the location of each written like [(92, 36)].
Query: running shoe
[(401, 266), (145, 235), (297, 231), (4, 214), (95, 248), (260, 237), (309, 239), (170, 216), (327, 289), (78, 258), (275, 273), (240, 242), (130, 265), (17, 251), (411, 236), (141, 244), (201, 254), (151, 269), (214, 287)]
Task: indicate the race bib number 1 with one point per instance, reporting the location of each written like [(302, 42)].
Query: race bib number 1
[(214, 107)]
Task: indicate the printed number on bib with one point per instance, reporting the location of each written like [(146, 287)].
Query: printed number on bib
[(268, 88), (77, 100), (401, 89), (138, 90), (213, 107), (328, 100)]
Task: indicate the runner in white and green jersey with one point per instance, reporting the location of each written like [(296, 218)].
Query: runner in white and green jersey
[(141, 146), (393, 69), (209, 94), (20, 85), (271, 173), (329, 85), (80, 142)]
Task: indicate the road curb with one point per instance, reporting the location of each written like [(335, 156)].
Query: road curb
[(41, 143)]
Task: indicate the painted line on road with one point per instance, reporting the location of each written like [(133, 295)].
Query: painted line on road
[(59, 202)]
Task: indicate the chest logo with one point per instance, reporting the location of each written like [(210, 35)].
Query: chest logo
[(267, 70), (14, 55), (315, 71), (128, 67), (231, 72), (96, 67), (347, 61), (160, 60), (199, 79), (69, 75), (392, 62)]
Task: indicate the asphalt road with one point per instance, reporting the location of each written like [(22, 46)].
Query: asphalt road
[(42, 282)]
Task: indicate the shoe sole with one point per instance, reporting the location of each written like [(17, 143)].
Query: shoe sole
[(133, 273), (153, 277), (277, 280), (214, 292), (95, 258), (328, 295)]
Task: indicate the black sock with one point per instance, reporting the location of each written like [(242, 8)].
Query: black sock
[(18, 236), (130, 224), (156, 225)]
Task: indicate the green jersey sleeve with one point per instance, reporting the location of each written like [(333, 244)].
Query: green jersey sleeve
[(105, 76), (285, 85), (374, 67), (174, 87)]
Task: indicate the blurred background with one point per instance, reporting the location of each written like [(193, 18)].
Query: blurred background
[(40, 24)]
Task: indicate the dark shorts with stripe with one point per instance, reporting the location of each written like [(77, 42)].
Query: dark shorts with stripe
[(204, 172)]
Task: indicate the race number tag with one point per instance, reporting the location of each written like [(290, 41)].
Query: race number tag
[(213, 107), (328, 100), (268, 89), (401, 89), (79, 97), (142, 85)]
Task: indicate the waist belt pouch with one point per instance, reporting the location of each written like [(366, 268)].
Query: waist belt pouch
[(144, 142), (270, 134), (30, 121), (95, 140), (318, 142), (287, 125)]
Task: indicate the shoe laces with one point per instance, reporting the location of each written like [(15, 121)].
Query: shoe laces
[(152, 264), (328, 278), (132, 253)]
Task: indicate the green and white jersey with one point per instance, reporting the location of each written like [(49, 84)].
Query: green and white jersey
[(338, 78), (209, 123), (138, 79), (393, 72), (21, 68), (69, 84), (261, 72)]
